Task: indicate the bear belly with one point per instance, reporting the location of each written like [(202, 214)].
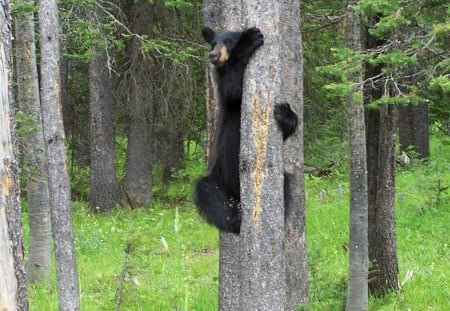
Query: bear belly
[(228, 154)]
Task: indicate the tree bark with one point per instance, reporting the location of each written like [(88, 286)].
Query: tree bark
[(414, 129), (292, 92), (357, 296), (382, 237), (13, 294), (58, 180), (104, 188), (138, 183), (380, 144), (225, 15), (261, 171), (38, 266)]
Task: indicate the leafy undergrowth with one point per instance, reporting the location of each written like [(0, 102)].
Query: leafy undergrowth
[(172, 263)]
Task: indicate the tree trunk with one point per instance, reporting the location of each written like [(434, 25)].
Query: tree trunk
[(65, 103), (224, 15), (38, 266), (261, 171), (357, 296), (414, 129), (382, 239), (292, 92), (58, 180), (380, 144), (104, 188), (137, 184), (13, 294)]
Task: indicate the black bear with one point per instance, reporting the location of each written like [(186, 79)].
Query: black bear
[(217, 194)]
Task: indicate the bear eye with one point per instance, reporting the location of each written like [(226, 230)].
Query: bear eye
[(228, 42), (213, 44)]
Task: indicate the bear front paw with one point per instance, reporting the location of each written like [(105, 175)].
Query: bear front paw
[(286, 118), (253, 37)]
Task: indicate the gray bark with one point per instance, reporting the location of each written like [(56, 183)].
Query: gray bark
[(292, 92), (380, 145), (12, 272), (262, 280), (38, 265), (382, 233), (104, 188), (413, 129), (225, 15), (58, 180), (357, 296), (137, 184)]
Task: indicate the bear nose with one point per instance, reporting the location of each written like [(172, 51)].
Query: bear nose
[(214, 56)]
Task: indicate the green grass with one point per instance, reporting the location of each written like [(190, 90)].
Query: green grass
[(172, 263), (173, 259)]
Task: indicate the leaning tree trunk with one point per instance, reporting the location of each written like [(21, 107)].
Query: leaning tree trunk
[(262, 281), (357, 296), (13, 294), (58, 179), (292, 92), (38, 265), (104, 188)]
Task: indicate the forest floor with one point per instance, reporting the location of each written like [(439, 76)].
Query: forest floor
[(171, 262)]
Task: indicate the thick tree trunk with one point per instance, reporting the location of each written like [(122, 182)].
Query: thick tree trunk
[(58, 180), (224, 15), (357, 296), (137, 184), (380, 143), (13, 295), (262, 281), (414, 129), (292, 92), (382, 237), (38, 266), (104, 188)]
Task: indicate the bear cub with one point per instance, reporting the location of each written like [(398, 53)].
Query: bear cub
[(217, 195)]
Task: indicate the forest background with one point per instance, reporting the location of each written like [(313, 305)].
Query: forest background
[(155, 60)]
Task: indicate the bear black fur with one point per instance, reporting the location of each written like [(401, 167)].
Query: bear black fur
[(217, 195)]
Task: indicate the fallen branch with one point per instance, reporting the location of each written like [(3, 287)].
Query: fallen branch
[(123, 273)]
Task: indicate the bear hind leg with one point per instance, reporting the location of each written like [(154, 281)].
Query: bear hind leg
[(216, 206)]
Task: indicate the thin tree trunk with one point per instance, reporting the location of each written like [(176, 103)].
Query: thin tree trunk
[(38, 265), (262, 281), (65, 103), (357, 296), (58, 180), (13, 294), (292, 92), (104, 188)]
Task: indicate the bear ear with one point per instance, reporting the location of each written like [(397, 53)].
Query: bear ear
[(208, 34)]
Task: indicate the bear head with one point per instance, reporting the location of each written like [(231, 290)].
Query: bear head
[(222, 44)]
